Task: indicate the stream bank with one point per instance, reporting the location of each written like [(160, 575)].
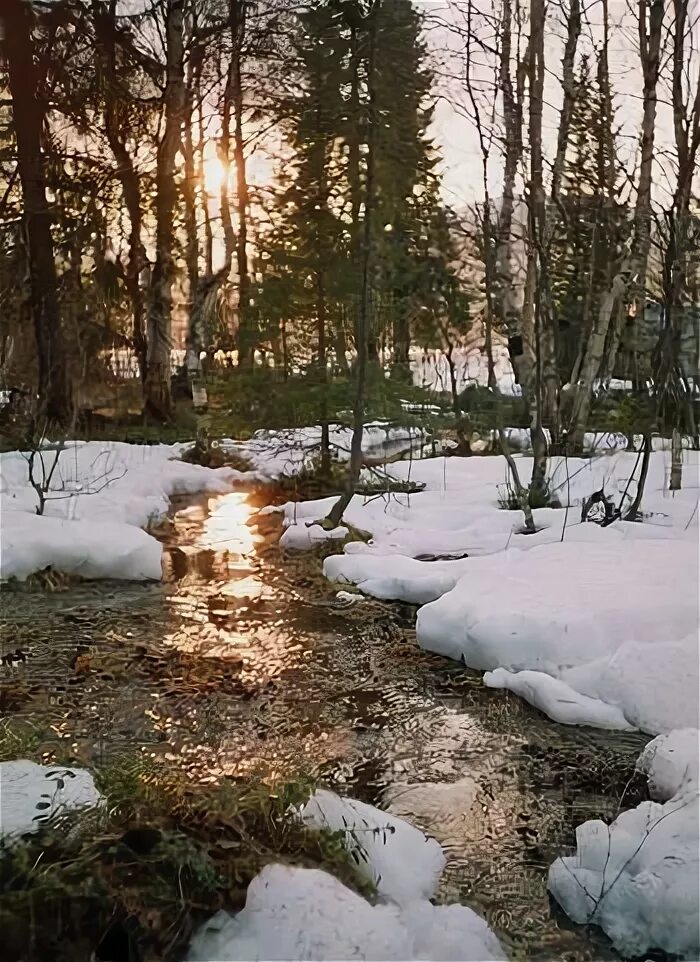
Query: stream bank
[(244, 664)]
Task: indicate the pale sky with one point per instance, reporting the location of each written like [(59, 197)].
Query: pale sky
[(457, 137)]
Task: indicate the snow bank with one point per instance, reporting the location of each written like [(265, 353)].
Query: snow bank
[(406, 579), (638, 878), (32, 795), (397, 858), (31, 543), (284, 453), (295, 913), (100, 495), (557, 699), (561, 605), (585, 631), (459, 513)]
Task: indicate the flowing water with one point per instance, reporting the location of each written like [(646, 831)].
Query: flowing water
[(244, 661)]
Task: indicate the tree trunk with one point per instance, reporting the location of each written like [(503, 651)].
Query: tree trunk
[(631, 276), (246, 334), (55, 402), (201, 183), (336, 513), (545, 399), (158, 398), (105, 31), (676, 479), (194, 336), (633, 513)]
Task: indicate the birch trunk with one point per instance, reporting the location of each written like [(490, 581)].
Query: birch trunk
[(630, 279), (158, 398)]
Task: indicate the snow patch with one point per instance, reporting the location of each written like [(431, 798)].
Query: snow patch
[(33, 795), (397, 858), (296, 913), (638, 878)]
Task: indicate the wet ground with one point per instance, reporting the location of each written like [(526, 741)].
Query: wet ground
[(244, 661)]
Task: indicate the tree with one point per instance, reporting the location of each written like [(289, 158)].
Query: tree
[(364, 306), (29, 113), (157, 386), (629, 279)]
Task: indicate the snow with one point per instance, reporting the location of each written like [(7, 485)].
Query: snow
[(397, 858), (556, 699), (671, 763), (579, 619), (416, 582), (101, 494), (105, 550), (296, 913), (587, 624), (459, 512), (287, 452), (33, 795), (638, 878)]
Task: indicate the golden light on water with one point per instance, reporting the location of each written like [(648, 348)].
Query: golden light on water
[(226, 528)]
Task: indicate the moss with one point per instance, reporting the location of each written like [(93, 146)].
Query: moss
[(146, 868)]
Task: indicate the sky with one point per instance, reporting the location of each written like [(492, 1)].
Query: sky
[(456, 135)]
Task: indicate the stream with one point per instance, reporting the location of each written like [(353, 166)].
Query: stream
[(244, 661)]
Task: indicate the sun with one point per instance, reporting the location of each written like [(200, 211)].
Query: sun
[(214, 175)]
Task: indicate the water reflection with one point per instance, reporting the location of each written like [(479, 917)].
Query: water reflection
[(240, 664)]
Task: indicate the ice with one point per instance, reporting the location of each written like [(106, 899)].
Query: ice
[(638, 879), (32, 795), (297, 913)]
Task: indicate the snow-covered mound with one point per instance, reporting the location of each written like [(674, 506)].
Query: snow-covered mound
[(295, 913), (284, 453), (586, 628), (638, 879), (460, 510), (32, 795), (99, 494), (397, 858), (405, 579)]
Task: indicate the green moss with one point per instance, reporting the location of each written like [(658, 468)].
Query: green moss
[(153, 862)]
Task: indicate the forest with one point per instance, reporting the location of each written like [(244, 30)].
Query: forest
[(349, 470)]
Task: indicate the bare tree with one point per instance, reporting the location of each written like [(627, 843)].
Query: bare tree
[(629, 280), (116, 101)]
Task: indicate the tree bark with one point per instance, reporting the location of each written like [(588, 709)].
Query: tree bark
[(336, 513), (105, 31), (546, 376), (28, 111), (158, 397), (630, 278), (194, 337), (246, 334)]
